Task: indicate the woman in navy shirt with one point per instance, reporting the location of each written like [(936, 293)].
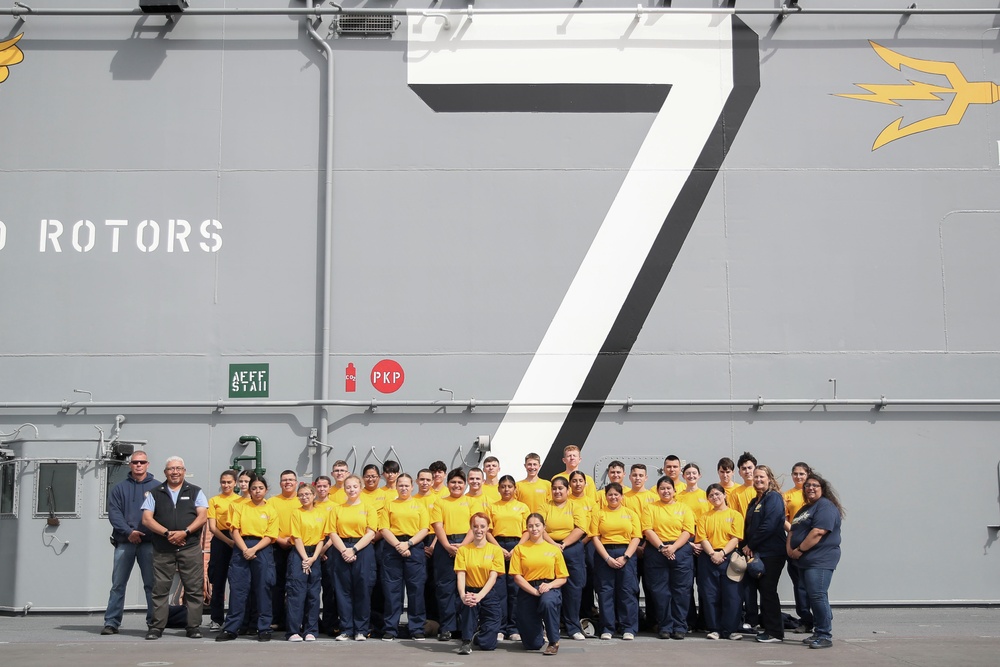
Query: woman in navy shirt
[(814, 543)]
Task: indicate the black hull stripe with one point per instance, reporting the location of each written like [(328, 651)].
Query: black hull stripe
[(543, 97)]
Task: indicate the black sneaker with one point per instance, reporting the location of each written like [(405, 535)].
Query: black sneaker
[(444, 636), (809, 640), (419, 636), (109, 630), (821, 643), (193, 633), (765, 638), (466, 649), (225, 636), (677, 635), (664, 635), (154, 633), (263, 636)]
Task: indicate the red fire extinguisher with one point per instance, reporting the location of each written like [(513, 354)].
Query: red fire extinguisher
[(351, 378)]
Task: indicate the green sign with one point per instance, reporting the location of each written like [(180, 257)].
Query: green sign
[(248, 380)]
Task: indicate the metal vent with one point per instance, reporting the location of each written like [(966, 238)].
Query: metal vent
[(381, 25)]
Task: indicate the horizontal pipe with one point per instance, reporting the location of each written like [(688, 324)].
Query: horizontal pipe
[(472, 403), (473, 11)]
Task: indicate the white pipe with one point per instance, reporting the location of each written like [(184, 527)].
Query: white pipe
[(326, 287), (472, 11)]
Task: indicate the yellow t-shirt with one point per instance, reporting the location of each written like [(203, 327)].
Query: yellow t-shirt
[(589, 488), (696, 501), (453, 514), (739, 497), (338, 496), (539, 560), (507, 518), (588, 506), (636, 500), (793, 503), (492, 492), (560, 521), (390, 494), (618, 526), (720, 526), (534, 494), (352, 521), (668, 521), (218, 509), (478, 562), (309, 525), (405, 517), (479, 503), (374, 498), (285, 506), (255, 520)]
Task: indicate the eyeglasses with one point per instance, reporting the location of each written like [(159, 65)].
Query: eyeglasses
[(174, 469), (811, 486)]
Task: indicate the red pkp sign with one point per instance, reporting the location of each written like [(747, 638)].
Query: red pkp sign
[(387, 376)]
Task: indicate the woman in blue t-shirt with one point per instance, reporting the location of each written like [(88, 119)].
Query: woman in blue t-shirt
[(814, 542)]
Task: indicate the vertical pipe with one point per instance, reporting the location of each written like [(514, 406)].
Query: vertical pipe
[(325, 287)]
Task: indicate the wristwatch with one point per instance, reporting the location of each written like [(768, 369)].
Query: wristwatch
[(166, 532)]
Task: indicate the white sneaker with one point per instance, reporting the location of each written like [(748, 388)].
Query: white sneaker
[(295, 638), (343, 637), (514, 637), (579, 636), (310, 638), (499, 636), (735, 637), (712, 635), (605, 636), (388, 638), (213, 626), (360, 637), (628, 636)]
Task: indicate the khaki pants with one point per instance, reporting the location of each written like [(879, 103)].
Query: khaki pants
[(190, 564)]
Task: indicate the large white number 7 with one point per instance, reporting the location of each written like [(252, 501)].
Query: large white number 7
[(699, 74)]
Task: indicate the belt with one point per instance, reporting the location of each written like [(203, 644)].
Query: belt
[(350, 541), (470, 589), (251, 537), (310, 549), (538, 582), (403, 538), (456, 537)]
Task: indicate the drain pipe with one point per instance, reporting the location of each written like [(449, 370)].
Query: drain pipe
[(325, 288)]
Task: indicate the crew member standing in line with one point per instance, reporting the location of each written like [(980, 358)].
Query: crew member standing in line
[(131, 540), (254, 526), (794, 500), (175, 513), (765, 539), (720, 532), (304, 570), (566, 523), (450, 521), (284, 503), (351, 530), (615, 529), (404, 524), (508, 517), (533, 491), (669, 526), (221, 549), (572, 459)]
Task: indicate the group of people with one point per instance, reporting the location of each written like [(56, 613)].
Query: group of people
[(483, 555)]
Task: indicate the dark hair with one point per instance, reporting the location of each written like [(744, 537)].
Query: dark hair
[(254, 477), (390, 466), (717, 487), (726, 463), (478, 470), (457, 472), (616, 464), (671, 457), (371, 466), (667, 480), (828, 492), (575, 473), (537, 516), (804, 466), (638, 466), (612, 486), (228, 473), (288, 472), (747, 456), (425, 470), (491, 459), (691, 465), (563, 480), (404, 475), (323, 478), (506, 478), (437, 466)]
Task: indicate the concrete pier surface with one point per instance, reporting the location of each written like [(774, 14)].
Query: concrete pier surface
[(863, 637)]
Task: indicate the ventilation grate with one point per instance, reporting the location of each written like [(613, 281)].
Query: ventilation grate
[(380, 25)]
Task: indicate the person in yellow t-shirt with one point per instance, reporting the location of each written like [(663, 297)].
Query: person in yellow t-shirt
[(572, 460), (739, 497), (533, 491), (616, 533), (339, 472), (615, 473), (794, 501), (540, 571), (477, 494), (254, 527), (668, 526), (567, 523), (404, 523), (351, 530), (439, 473), (450, 521), (390, 472), (720, 532), (285, 503), (491, 470), (221, 548), (478, 566), (309, 524), (577, 496), (507, 518)]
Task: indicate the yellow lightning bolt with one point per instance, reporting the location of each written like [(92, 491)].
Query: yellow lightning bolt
[(966, 93), (9, 55)]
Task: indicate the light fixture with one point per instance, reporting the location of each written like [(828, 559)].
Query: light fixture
[(162, 6)]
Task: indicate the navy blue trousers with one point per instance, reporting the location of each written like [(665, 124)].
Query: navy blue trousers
[(255, 575), (484, 618), (399, 573)]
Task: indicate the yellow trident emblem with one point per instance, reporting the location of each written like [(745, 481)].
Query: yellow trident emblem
[(966, 93), (9, 55)]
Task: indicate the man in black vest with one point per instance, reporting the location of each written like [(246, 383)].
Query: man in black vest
[(174, 513)]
